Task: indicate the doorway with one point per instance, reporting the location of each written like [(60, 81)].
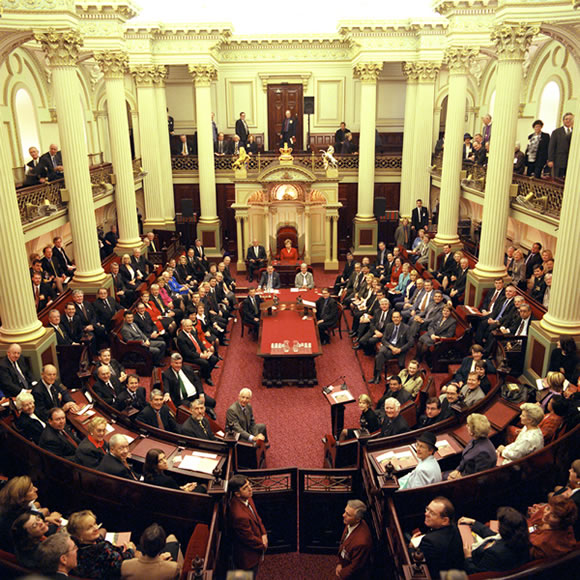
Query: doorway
[(281, 98)]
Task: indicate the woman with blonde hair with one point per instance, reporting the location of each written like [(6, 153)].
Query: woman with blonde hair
[(369, 420), (529, 439)]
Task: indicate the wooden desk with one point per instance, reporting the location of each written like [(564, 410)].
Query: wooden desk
[(337, 400), (287, 272)]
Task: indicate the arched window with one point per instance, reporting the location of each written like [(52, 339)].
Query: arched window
[(26, 123), (549, 111), (491, 104)]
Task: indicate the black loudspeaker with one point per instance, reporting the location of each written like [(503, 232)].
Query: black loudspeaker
[(187, 207), (380, 207), (309, 105)]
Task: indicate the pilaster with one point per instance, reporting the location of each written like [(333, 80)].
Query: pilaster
[(407, 199)]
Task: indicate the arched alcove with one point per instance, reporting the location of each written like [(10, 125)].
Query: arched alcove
[(550, 106), (26, 122)]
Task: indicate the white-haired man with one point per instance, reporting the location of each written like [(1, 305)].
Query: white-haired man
[(240, 419), (356, 544)]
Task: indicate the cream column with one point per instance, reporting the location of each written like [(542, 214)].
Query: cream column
[(335, 239), (426, 73), (240, 241), (365, 224), (209, 223), (165, 170), (246, 229), (328, 240), (114, 66), (266, 241), (145, 78), (458, 60), (512, 43), (307, 217), (407, 198), (62, 50)]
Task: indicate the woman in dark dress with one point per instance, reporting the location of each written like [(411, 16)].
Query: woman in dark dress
[(93, 447), (29, 530), (564, 359), (368, 418), (154, 473)]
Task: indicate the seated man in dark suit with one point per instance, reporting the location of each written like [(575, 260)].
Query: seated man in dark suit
[(132, 395), (115, 462), (498, 317), (52, 269), (104, 387), (256, 258), (56, 438), (105, 309), (251, 310), (193, 350), (184, 385), (28, 422), (121, 289), (52, 163), (15, 375), (394, 343), (448, 264), (441, 545), (72, 323), (326, 315), (393, 389), (144, 321), (468, 365), (433, 413), (240, 419), (62, 335), (270, 279), (60, 255), (131, 332), (183, 146), (118, 375), (43, 292), (157, 414), (371, 334), (141, 264), (35, 172), (393, 423), (197, 425), (49, 393)]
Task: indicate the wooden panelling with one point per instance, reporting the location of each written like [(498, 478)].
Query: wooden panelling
[(537, 359), (280, 99), (226, 195), (187, 191)]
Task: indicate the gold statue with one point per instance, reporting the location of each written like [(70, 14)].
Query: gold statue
[(242, 160)]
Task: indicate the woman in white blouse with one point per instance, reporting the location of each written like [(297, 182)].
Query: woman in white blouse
[(530, 437)]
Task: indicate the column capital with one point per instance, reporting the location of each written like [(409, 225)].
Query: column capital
[(367, 72), (421, 70), (113, 64), (513, 40), (61, 47), (459, 58), (203, 74), (148, 75)]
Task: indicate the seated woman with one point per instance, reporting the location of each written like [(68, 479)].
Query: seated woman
[(29, 530), (131, 276), (450, 278), (28, 423), (396, 271), (16, 497), (479, 454), (154, 473), (288, 254), (555, 383), (93, 447), (552, 534), (518, 272), (404, 280), (174, 286), (565, 360), (96, 557), (505, 550), (182, 274), (530, 437), (398, 300), (443, 327), (557, 409), (161, 321), (369, 420)]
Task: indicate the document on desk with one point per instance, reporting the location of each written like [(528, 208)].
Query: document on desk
[(309, 303), (342, 396), (198, 461)]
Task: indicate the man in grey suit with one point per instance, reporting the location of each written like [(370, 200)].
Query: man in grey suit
[(559, 147), (422, 300), (270, 279), (240, 419), (130, 331), (421, 321), (304, 278)]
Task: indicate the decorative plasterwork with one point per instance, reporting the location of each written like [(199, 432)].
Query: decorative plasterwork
[(124, 10), (149, 75), (113, 64), (367, 72), (460, 59), (277, 78), (370, 28), (61, 48), (421, 70), (513, 40), (203, 74), (285, 173), (444, 7), (38, 5)]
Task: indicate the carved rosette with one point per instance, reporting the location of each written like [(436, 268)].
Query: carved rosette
[(425, 71), (114, 65), (513, 40), (203, 74), (367, 72), (61, 47), (460, 59), (149, 75)]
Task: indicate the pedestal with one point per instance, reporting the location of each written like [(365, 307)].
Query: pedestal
[(209, 232), (365, 236)]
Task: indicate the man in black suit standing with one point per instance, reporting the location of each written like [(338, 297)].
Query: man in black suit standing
[(56, 438), (72, 323), (242, 129), (289, 130), (52, 163), (105, 309), (193, 351), (251, 310), (34, 170), (256, 258), (326, 315), (197, 425), (115, 462), (157, 414), (49, 393), (420, 217), (15, 375), (270, 279), (559, 147), (43, 293), (132, 395), (200, 257), (184, 385)]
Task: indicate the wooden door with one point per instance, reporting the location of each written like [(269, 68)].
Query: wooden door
[(280, 99)]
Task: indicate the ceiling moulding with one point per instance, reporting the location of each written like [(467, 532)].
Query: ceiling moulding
[(214, 31), (444, 7), (123, 10), (374, 28), (274, 79)]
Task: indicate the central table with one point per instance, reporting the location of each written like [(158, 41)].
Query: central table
[(288, 343)]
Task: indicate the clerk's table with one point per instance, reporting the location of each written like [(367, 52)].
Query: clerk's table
[(289, 342)]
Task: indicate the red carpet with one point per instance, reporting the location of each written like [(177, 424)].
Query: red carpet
[(298, 567)]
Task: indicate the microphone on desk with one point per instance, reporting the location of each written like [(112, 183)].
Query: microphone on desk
[(344, 386)]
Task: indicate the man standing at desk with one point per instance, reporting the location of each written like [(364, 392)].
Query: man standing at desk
[(304, 279), (326, 315)]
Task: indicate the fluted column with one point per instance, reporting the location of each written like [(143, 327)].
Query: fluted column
[(426, 73), (246, 230), (266, 241), (459, 60), (145, 77), (407, 198), (114, 66), (307, 222), (240, 241), (165, 170), (365, 224), (327, 239), (209, 223), (512, 43), (62, 50), (334, 256)]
